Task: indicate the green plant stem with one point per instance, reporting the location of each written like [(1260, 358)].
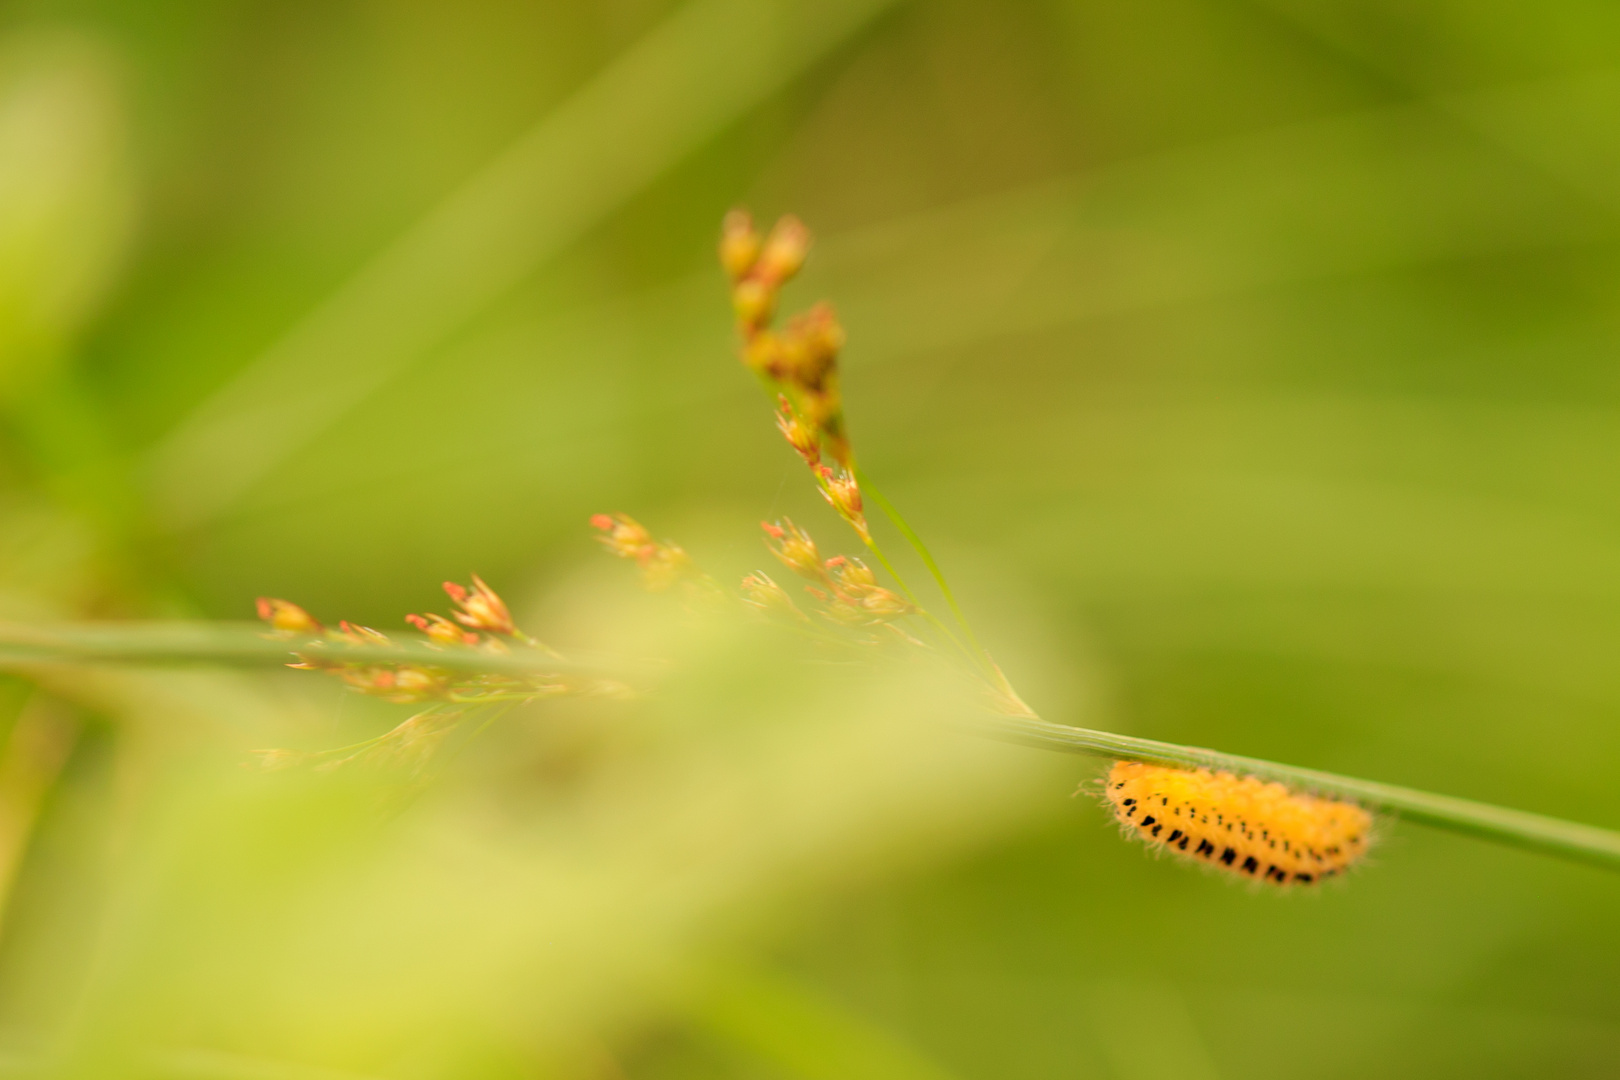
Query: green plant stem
[(249, 645), (916, 542), (1583, 843), (911, 597)]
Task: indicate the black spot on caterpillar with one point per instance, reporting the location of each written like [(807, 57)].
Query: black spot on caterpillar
[(1266, 832)]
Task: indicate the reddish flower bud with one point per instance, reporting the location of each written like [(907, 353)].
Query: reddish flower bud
[(625, 536), (286, 617), (800, 434), (355, 634), (793, 546), (398, 685), (851, 574), (481, 609), (373, 680), (662, 564), (843, 494), (442, 630)]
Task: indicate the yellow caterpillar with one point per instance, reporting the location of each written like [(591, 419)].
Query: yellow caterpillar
[(1242, 825)]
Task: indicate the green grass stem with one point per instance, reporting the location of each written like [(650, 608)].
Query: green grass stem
[(247, 645), (916, 542), (911, 597)]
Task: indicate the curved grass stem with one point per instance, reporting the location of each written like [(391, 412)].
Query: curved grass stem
[(247, 644), (976, 649), (22, 647), (911, 597)]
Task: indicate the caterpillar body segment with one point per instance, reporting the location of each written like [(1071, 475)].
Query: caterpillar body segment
[(1240, 825)]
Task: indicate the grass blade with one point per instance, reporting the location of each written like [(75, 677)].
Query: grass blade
[(701, 69)]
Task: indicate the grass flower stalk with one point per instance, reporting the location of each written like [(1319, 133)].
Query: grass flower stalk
[(478, 662), (244, 645), (798, 366)]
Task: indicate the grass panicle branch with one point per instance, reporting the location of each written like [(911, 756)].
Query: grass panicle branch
[(246, 645)]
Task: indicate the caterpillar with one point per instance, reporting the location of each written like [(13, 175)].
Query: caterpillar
[(1242, 825)]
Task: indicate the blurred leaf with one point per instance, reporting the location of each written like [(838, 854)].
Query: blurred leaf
[(699, 71), (1148, 1033), (66, 203), (804, 1032), (495, 909)]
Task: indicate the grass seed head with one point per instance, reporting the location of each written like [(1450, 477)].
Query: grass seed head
[(843, 494), (857, 599), (851, 573), (355, 634), (663, 564), (810, 346), (286, 617), (400, 685), (754, 303), (441, 630), (880, 605), (624, 536), (762, 353), (739, 244), (784, 251), (759, 591), (794, 548), (799, 432), (667, 565), (481, 609)]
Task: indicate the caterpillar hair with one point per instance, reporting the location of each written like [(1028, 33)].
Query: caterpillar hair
[(1241, 825)]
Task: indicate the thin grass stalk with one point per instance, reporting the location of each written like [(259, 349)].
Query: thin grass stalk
[(188, 643), (248, 645), (917, 545), (922, 612)]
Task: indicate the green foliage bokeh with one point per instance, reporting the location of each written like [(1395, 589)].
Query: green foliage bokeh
[(1251, 366)]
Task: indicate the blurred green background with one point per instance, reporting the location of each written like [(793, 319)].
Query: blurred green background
[(1250, 364)]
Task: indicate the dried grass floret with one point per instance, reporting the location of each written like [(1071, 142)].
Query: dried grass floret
[(482, 622), (663, 565)]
